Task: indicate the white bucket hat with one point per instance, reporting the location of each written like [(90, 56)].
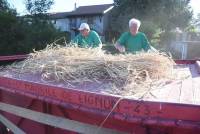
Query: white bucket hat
[(84, 26)]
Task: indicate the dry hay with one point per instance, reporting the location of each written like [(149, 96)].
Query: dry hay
[(127, 74)]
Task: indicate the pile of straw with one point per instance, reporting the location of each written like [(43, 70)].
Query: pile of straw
[(127, 74)]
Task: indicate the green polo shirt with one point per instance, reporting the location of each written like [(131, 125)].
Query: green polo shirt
[(92, 40), (134, 43)]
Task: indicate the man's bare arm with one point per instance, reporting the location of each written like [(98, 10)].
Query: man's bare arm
[(119, 47)]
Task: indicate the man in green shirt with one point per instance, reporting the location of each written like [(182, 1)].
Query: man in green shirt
[(133, 41), (87, 38)]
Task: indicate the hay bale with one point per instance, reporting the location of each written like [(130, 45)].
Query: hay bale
[(127, 74)]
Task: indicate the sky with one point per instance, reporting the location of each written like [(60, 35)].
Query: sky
[(68, 5), (59, 5), (195, 4)]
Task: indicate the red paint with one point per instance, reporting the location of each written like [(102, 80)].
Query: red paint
[(131, 116), (197, 63), (13, 57), (98, 101), (185, 61)]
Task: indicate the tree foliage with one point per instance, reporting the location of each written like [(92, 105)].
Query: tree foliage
[(161, 14), (4, 5), (8, 27), (38, 6), (22, 34)]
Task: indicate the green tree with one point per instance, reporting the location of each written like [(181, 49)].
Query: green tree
[(197, 19), (22, 34), (40, 30), (10, 32), (38, 6), (4, 5), (164, 15)]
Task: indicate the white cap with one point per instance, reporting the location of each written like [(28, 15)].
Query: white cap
[(84, 26)]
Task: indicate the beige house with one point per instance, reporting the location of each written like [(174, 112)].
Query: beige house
[(97, 16)]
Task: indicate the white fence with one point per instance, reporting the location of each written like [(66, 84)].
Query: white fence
[(185, 47)]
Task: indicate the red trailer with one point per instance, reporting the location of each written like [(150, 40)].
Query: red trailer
[(29, 105)]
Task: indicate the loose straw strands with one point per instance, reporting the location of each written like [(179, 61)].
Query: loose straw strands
[(127, 74)]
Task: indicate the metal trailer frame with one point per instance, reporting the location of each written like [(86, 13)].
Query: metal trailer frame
[(28, 107)]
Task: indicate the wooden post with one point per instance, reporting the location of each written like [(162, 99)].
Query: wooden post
[(56, 121), (11, 126)]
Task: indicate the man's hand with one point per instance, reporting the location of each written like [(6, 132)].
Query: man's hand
[(119, 47), (100, 45)]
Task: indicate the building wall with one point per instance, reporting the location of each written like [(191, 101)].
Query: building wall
[(106, 21), (95, 22), (74, 23), (106, 29), (62, 24), (98, 24)]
